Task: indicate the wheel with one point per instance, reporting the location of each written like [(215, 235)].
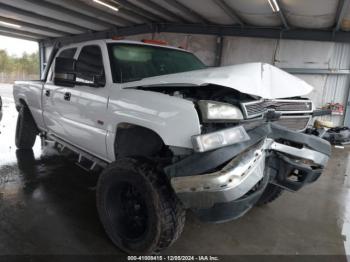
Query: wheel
[(270, 194), (137, 207), (26, 161), (26, 129)]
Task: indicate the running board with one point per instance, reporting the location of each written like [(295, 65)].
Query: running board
[(85, 160)]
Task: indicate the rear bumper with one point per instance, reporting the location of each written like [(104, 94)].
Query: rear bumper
[(241, 172)]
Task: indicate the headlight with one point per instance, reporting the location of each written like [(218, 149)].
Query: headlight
[(225, 137), (213, 111)]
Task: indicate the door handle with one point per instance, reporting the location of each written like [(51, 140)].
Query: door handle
[(67, 96), (47, 92)]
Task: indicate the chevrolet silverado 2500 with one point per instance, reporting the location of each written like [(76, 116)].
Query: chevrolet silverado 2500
[(172, 134)]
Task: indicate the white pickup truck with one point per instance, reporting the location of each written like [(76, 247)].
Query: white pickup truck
[(172, 134)]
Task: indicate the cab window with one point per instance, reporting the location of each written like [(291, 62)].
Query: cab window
[(68, 53), (89, 67)]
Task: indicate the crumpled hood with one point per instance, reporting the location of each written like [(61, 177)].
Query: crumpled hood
[(258, 79)]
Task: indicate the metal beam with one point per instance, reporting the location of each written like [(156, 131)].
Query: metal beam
[(70, 12), (42, 58), (135, 15), (89, 10), (219, 48), (22, 32), (316, 71), (182, 8), (274, 33), (341, 11), (157, 7), (33, 26), (282, 16), (41, 17), (124, 31), (138, 10), (229, 11), (19, 36)]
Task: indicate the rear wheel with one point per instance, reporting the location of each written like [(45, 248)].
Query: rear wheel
[(138, 209), (271, 193), (26, 130)]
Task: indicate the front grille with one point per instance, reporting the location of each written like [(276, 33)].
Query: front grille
[(256, 108), (294, 123)]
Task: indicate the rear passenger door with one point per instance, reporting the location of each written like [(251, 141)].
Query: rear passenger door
[(85, 106)]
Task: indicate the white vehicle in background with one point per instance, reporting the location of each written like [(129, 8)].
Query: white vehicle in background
[(172, 134)]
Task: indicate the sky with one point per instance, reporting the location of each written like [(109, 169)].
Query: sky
[(16, 46)]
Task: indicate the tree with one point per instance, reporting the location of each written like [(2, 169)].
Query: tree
[(27, 64)]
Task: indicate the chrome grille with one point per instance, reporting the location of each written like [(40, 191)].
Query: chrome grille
[(256, 108)]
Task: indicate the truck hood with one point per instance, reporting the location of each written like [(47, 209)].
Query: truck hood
[(257, 79)]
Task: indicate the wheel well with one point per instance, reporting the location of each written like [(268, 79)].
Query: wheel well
[(22, 102), (134, 140)]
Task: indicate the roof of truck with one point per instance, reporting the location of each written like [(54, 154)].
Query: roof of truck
[(142, 43), (124, 41)]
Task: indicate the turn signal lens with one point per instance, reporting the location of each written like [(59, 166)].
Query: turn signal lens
[(226, 137)]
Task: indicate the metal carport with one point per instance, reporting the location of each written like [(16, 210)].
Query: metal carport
[(66, 21), (45, 20), (48, 204)]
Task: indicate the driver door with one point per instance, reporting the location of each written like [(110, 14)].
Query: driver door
[(53, 99), (85, 105)]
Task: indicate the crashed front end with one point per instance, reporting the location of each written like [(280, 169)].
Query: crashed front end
[(232, 166)]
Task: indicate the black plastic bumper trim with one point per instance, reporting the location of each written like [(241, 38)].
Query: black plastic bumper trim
[(200, 163), (281, 168)]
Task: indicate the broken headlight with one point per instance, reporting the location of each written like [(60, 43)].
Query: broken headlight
[(213, 111)]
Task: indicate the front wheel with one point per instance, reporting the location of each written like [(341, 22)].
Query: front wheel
[(137, 207), (26, 130), (271, 193)]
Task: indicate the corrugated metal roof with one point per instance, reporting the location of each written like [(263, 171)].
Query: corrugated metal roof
[(39, 19), (256, 12), (312, 14)]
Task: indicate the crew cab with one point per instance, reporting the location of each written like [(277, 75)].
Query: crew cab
[(172, 134)]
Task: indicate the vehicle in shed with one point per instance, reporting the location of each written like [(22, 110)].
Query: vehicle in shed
[(172, 134)]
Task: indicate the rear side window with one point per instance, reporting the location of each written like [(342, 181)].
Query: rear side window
[(68, 53), (90, 65)]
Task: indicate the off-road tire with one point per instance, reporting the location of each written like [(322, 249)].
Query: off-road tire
[(271, 193), (26, 130), (165, 213)]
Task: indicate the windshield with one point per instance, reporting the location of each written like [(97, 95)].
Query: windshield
[(132, 62)]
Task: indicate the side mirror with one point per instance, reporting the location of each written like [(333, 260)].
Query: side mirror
[(99, 81), (64, 74)]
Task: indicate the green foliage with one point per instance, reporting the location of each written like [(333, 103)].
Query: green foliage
[(27, 64)]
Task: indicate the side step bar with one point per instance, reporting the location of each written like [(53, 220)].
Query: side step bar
[(85, 160)]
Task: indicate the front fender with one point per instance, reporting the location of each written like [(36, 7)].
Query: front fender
[(30, 93), (174, 119)]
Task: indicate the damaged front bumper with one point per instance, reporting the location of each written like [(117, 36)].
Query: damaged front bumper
[(223, 184)]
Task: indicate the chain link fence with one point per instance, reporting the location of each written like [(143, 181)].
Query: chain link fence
[(14, 76)]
